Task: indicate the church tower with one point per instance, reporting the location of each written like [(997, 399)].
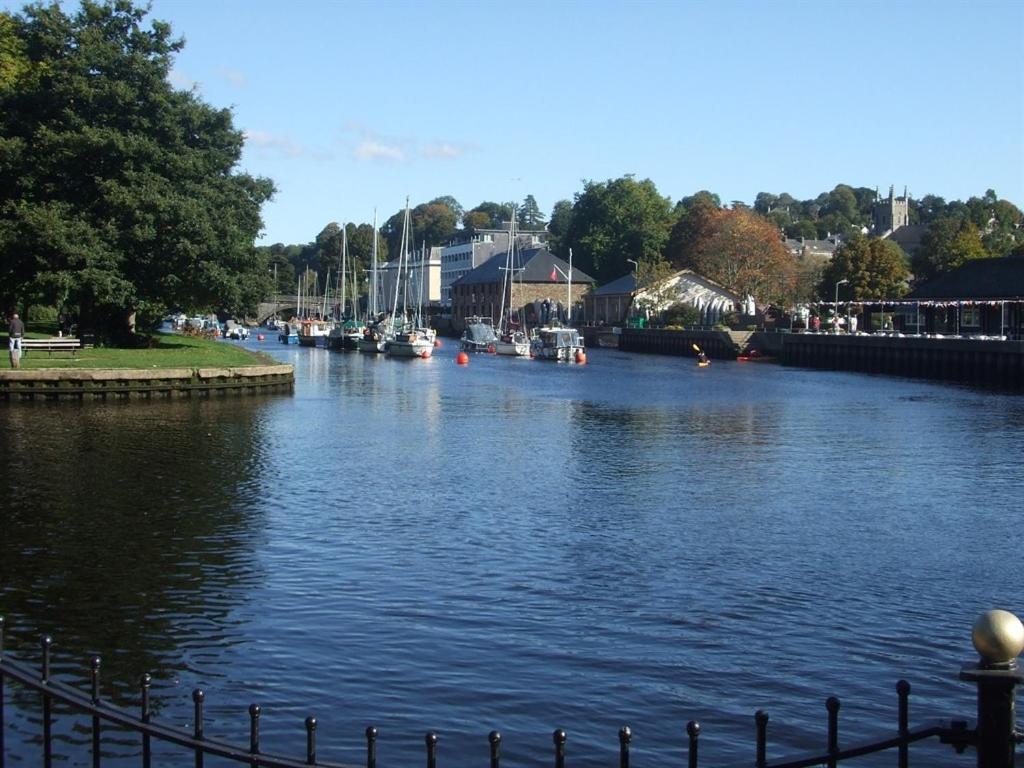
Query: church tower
[(891, 214)]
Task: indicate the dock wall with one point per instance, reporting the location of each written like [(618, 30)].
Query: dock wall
[(101, 384)]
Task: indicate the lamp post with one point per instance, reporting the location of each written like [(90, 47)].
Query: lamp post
[(836, 311), (636, 276)]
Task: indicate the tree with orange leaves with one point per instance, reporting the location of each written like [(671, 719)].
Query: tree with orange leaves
[(738, 248)]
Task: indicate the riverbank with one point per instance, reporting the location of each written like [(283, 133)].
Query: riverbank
[(175, 366)]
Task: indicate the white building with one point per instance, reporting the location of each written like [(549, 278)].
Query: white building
[(410, 293), (461, 258)]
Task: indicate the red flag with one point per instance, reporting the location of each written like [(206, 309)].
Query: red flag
[(554, 275)]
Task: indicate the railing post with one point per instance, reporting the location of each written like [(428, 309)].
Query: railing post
[(197, 698), (761, 723), (95, 669), (254, 732), (431, 740), (903, 691), (832, 705), (998, 637), (47, 642), (625, 735), (371, 747), (693, 731), (559, 738), (147, 755), (495, 740), (310, 741)]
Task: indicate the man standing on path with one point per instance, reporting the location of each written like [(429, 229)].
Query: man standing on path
[(15, 330)]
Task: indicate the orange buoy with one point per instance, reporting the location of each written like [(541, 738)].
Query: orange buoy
[(425, 354), (259, 337), (462, 358), (581, 357), (490, 348), (437, 343)]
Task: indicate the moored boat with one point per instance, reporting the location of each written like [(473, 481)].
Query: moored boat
[(479, 335), (557, 343), (313, 333)]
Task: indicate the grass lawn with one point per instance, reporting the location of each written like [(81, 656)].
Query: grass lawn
[(171, 351)]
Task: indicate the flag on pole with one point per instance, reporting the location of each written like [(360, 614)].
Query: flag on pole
[(554, 275)]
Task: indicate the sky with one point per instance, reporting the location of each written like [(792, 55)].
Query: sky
[(352, 106)]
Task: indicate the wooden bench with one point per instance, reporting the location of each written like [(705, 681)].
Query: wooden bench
[(51, 345)]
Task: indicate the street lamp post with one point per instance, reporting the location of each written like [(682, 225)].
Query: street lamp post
[(836, 311)]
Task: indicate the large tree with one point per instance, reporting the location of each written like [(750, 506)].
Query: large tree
[(946, 245), (117, 192), (616, 220), (740, 249), (873, 268)]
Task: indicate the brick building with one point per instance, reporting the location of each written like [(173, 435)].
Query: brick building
[(538, 288)]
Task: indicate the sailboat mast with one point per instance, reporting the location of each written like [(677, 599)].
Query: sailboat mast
[(341, 277), (401, 252), (373, 269), (508, 267), (568, 309)]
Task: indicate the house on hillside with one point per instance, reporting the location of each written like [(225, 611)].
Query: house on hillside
[(982, 297), (537, 286)]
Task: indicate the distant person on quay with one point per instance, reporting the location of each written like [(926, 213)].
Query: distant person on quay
[(15, 331)]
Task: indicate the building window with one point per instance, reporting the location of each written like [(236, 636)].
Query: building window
[(970, 317)]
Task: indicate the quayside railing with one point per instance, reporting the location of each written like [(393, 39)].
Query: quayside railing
[(998, 636)]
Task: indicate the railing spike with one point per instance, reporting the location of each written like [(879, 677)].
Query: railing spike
[(832, 705), (371, 747), (254, 728), (147, 756), (94, 665), (761, 722), (625, 736), (198, 697), (494, 738), (310, 741), (693, 731), (559, 737), (431, 740)]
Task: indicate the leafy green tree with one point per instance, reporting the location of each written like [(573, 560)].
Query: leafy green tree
[(558, 227), (473, 221), (946, 245), (616, 220), (875, 269), (328, 248), (497, 215), (432, 223), (119, 194), (14, 61), (453, 205)]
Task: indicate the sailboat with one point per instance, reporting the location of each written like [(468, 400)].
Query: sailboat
[(347, 330), (413, 339), (512, 339), (375, 334)]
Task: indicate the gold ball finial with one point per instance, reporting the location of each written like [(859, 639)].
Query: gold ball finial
[(998, 636)]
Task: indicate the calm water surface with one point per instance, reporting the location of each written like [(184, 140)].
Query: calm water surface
[(515, 545)]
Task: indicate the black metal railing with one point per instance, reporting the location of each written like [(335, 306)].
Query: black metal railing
[(994, 738)]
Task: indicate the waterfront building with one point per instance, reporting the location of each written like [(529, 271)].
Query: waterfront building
[(612, 303), (461, 257), (981, 297), (425, 271), (537, 287)]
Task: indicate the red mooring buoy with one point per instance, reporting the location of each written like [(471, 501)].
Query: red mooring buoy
[(581, 358), (437, 343), (259, 337), (462, 359), (425, 354)]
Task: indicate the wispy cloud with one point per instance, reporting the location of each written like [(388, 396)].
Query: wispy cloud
[(443, 150), (233, 76), (270, 143), (369, 145), (369, 149), (180, 80)]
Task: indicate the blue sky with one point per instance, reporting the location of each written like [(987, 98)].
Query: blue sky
[(350, 106)]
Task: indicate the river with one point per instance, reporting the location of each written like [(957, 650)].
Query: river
[(515, 545)]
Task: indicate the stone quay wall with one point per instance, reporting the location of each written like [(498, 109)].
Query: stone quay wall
[(102, 384)]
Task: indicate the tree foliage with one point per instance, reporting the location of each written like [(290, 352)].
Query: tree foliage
[(613, 221), (530, 216), (738, 248), (118, 193), (874, 269)]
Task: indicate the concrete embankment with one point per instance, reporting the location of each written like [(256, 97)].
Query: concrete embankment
[(101, 383)]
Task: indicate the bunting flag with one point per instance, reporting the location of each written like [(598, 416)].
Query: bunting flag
[(554, 275)]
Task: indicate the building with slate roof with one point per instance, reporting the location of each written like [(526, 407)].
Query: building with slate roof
[(612, 303), (982, 296), (539, 289)]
